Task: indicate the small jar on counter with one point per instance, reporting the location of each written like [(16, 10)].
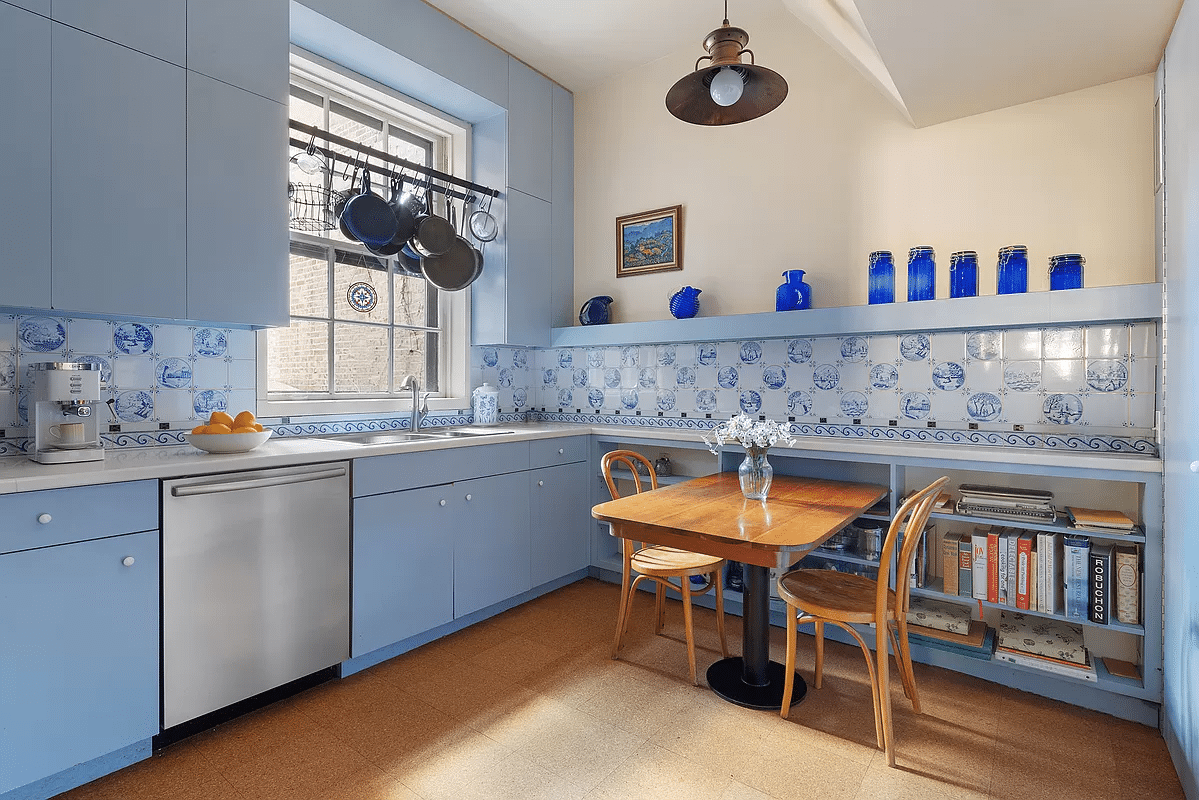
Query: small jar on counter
[(1065, 271)]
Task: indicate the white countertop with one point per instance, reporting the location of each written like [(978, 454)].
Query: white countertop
[(20, 474)]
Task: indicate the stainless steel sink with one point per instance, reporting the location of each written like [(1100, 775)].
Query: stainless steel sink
[(399, 437)]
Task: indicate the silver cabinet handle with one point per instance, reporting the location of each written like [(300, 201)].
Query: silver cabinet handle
[(468, 498), (128, 561), (561, 450), (44, 518), (541, 483), (441, 503), (257, 483)]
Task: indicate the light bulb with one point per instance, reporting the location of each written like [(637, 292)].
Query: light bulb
[(726, 87)]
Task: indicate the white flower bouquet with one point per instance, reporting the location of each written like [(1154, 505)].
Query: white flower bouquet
[(753, 435)]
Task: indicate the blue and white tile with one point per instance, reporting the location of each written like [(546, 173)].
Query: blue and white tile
[(855, 349), (647, 378), (210, 373), (133, 372), (134, 405), (705, 377), (684, 401), (8, 372), (1143, 340), (826, 350), (854, 377), (241, 400), (774, 351), (8, 408), (667, 355), (773, 377), (915, 376), (799, 351), (707, 354), (684, 355), (1063, 343), (884, 405), (8, 333), (826, 405), (799, 403), (984, 345), (750, 401), (706, 401), (687, 376), (984, 407), (948, 346), (629, 377), (174, 405), (210, 342), (1106, 410), (1022, 376), (913, 408), (750, 352), (1064, 409), (666, 401), (826, 377), (242, 344), (133, 338), (947, 406), (1106, 341), (171, 341), (1063, 375), (173, 373), (1022, 344), (1142, 410), (948, 376), (884, 348), (1107, 374), (1142, 375), (853, 405), (89, 335), (243, 374), (914, 347), (629, 400), (984, 375), (41, 335), (1023, 407), (728, 354), (728, 401)]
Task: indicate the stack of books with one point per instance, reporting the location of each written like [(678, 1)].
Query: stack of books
[(1000, 501), (1017, 568), (947, 626), (1100, 520), (1045, 644)]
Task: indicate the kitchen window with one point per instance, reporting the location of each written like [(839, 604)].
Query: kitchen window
[(359, 324)]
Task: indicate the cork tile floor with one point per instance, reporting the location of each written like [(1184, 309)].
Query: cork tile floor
[(529, 705)]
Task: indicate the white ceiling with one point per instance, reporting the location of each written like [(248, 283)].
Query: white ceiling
[(936, 59)]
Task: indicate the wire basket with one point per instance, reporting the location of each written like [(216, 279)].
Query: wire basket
[(310, 208)]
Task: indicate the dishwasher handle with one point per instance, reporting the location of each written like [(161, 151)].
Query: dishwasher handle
[(215, 487)]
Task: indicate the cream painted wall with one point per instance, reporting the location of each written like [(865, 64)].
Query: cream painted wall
[(835, 173)]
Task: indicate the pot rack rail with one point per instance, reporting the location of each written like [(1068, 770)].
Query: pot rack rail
[(363, 155)]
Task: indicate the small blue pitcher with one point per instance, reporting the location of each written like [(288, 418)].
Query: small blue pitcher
[(793, 295), (684, 303)]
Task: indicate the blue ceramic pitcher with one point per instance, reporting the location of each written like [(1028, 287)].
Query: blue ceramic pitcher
[(794, 294), (684, 303)]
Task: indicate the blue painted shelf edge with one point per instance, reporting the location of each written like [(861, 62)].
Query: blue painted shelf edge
[(1136, 302)]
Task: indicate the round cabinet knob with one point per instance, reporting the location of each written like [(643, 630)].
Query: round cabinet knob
[(128, 561), (441, 503), (44, 518), (561, 450), (541, 483), (468, 497), (1194, 468)]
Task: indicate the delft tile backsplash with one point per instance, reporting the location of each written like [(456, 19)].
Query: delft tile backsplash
[(1091, 388)]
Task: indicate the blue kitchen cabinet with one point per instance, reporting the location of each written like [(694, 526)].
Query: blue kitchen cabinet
[(403, 572), (560, 506), (489, 525), (155, 27), (237, 242), (117, 179), (41, 7), (530, 130), (243, 44), (562, 211), (78, 658), (512, 305), (25, 212)]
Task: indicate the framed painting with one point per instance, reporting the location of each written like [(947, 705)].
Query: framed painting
[(651, 241)]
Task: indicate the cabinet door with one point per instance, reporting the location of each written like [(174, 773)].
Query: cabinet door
[(491, 541), (117, 179), (38, 6), (237, 268), (559, 512), (562, 216), (241, 43), (79, 654), (403, 566), (530, 113), (25, 165), (528, 267), (155, 27)]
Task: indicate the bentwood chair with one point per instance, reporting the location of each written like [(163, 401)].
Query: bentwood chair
[(842, 599), (659, 564)]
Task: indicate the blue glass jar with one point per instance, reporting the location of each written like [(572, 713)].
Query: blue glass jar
[(881, 278), (1065, 271), (922, 273), (794, 294), (963, 274), (1012, 271)]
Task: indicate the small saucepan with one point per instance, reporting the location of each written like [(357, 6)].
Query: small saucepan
[(368, 216)]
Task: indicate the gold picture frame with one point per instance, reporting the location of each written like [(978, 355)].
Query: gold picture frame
[(650, 241)]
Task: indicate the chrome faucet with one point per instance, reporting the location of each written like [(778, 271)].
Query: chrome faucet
[(420, 402)]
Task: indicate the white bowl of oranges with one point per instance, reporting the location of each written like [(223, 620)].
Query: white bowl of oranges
[(226, 434)]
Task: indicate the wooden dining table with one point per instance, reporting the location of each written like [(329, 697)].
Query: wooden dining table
[(710, 515)]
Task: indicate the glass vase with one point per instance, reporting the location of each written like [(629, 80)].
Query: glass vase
[(755, 474)]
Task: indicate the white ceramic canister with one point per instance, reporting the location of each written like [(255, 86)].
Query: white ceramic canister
[(485, 400)]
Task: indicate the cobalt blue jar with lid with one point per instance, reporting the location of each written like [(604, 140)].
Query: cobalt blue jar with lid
[(1012, 271), (881, 277), (1065, 271), (922, 273), (963, 274)]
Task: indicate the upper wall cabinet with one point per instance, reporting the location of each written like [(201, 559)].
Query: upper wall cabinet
[(25, 165), (155, 27), (530, 130), (38, 6), (237, 267), (562, 212), (241, 43), (117, 179)]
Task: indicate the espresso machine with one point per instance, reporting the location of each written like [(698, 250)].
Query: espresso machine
[(63, 407)]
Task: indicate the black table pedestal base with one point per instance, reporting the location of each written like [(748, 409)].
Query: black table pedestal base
[(727, 679)]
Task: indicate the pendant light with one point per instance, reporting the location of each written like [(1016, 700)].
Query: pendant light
[(726, 91)]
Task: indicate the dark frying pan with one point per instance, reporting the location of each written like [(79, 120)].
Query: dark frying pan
[(454, 269), (338, 204), (368, 216), (409, 262), (405, 220), (433, 235)]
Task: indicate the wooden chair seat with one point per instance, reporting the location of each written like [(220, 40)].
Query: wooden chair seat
[(670, 562), (659, 564), (832, 595)]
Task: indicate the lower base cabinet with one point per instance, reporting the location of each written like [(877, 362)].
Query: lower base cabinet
[(78, 653), (489, 525), (560, 510)]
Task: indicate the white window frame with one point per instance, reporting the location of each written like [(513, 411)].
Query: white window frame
[(453, 307)]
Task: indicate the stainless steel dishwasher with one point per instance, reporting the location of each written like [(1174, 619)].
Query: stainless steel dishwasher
[(255, 583)]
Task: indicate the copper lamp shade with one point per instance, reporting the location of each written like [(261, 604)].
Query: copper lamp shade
[(690, 99)]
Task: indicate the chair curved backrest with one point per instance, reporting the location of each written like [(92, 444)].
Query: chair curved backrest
[(912, 516), (630, 459)]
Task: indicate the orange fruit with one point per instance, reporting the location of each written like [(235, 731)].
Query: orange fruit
[(218, 427), (200, 429), (220, 418), (243, 429), (244, 420), (258, 427)]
